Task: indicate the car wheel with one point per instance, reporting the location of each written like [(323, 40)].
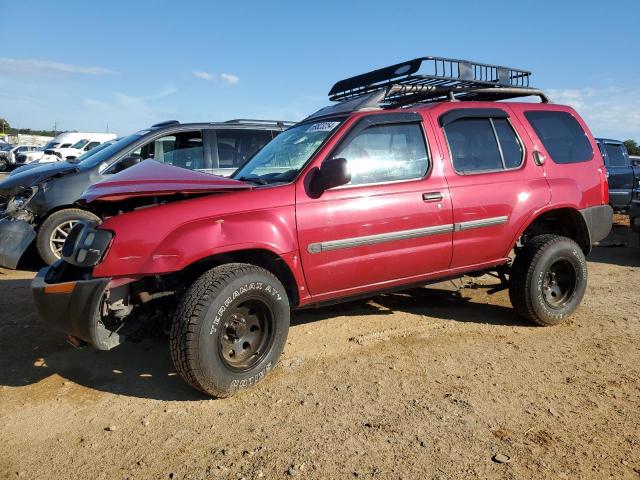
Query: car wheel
[(230, 329), (54, 230), (4, 165), (548, 279)]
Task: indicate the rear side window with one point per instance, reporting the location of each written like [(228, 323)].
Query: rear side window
[(616, 155), (561, 135), (483, 145), (236, 146)]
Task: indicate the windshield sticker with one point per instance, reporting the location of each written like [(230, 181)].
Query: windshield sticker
[(322, 127)]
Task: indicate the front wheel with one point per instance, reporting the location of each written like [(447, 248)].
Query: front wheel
[(54, 230), (230, 329), (548, 279)]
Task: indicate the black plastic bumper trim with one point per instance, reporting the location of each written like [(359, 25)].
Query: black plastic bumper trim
[(76, 313)]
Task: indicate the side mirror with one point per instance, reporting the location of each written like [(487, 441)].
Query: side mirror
[(128, 162), (333, 172)]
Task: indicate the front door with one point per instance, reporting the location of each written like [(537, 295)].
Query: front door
[(390, 224)]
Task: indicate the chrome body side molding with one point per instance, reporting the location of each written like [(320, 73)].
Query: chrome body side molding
[(329, 245)]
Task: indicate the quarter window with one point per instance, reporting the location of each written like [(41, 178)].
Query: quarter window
[(562, 136), (386, 153), (483, 145)]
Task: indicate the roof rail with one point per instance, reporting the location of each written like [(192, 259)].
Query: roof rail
[(442, 79), (165, 123), (279, 123)]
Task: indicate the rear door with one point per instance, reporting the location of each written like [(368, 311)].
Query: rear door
[(621, 177), (495, 186)]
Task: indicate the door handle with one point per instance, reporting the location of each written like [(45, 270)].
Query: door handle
[(432, 197)]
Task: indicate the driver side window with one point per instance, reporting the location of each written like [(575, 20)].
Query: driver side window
[(181, 149), (386, 153)]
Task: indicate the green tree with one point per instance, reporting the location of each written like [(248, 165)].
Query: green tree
[(4, 126), (632, 147)]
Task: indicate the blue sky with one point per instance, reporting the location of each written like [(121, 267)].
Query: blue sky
[(128, 64)]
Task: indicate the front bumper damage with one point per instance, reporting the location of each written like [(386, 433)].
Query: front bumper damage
[(15, 237), (74, 307)]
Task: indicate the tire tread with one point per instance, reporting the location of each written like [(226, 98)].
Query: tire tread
[(186, 324)]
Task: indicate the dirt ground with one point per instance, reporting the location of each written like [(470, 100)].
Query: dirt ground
[(429, 384)]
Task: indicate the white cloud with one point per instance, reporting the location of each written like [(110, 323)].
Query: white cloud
[(204, 75), (28, 67), (609, 112), (228, 78)]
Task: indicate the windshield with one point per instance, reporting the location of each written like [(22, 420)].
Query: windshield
[(80, 144), (282, 158), (49, 145), (93, 151), (99, 155)]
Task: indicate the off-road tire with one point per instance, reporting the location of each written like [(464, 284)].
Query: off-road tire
[(61, 217), (198, 328), (529, 271)]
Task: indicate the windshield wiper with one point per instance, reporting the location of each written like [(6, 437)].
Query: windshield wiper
[(254, 179)]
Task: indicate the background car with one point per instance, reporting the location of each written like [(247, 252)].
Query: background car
[(39, 201), (622, 175)]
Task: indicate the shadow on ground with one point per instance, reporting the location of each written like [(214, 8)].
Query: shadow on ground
[(31, 352), (621, 248)]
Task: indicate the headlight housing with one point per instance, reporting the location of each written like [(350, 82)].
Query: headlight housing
[(20, 200), (86, 245)]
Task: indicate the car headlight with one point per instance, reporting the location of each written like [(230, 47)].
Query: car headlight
[(20, 200), (86, 245)]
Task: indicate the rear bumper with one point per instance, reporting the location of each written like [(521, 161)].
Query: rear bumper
[(599, 220), (15, 238), (73, 307)]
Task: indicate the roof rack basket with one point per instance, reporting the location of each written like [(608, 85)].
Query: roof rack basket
[(430, 79)]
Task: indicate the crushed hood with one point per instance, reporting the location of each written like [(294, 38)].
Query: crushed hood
[(18, 181), (152, 178)]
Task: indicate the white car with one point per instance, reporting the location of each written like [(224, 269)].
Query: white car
[(15, 157), (73, 145)]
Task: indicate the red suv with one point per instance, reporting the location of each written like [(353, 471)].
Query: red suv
[(411, 178)]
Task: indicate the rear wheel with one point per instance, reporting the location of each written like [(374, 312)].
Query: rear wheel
[(230, 329), (548, 279), (54, 230)]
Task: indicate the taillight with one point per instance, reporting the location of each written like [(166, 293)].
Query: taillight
[(604, 185)]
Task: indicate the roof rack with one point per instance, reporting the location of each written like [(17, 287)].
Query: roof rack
[(165, 123), (263, 122), (441, 79)]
